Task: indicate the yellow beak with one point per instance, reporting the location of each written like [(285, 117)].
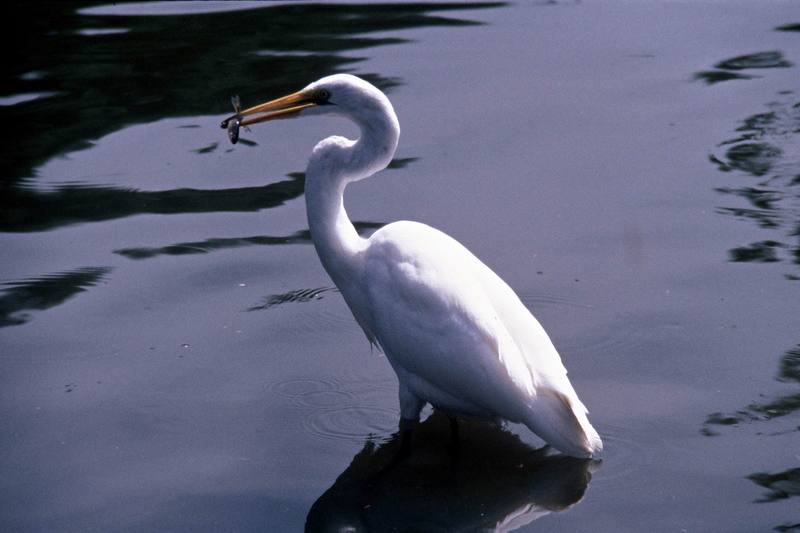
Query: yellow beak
[(283, 107)]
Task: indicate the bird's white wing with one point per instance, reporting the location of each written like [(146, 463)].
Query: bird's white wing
[(533, 341), (435, 322)]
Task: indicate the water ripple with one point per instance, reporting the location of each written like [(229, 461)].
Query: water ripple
[(313, 393), (352, 423), (623, 454), (297, 295), (342, 409), (533, 300)]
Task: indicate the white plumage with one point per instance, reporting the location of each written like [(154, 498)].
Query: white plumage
[(456, 334)]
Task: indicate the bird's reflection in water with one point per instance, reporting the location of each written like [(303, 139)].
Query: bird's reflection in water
[(488, 480)]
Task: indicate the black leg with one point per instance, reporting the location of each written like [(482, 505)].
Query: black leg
[(454, 446), (406, 433), (453, 427)]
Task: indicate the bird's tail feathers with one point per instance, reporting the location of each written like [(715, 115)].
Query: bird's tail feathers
[(561, 421)]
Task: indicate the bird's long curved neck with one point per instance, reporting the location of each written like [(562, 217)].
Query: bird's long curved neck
[(335, 238), (334, 163)]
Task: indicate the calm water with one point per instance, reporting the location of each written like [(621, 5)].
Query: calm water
[(174, 358)]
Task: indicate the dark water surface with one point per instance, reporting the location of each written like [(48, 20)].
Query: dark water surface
[(174, 358)]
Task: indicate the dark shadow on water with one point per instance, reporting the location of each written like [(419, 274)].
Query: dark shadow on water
[(30, 210), (207, 149), (38, 294), (252, 198), (495, 482), (223, 243)]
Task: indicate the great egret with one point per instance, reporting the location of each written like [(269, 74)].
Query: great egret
[(456, 334)]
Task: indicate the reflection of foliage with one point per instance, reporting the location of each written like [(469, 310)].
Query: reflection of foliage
[(172, 66), (790, 366), (715, 76), (781, 485), (771, 59), (44, 292), (764, 149), (753, 158), (789, 370), (729, 68), (758, 252), (780, 406)]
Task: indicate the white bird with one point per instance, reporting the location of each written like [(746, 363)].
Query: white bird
[(455, 333)]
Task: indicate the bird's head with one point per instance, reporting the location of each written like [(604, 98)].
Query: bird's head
[(339, 94)]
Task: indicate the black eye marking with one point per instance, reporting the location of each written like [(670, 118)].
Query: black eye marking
[(322, 97)]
